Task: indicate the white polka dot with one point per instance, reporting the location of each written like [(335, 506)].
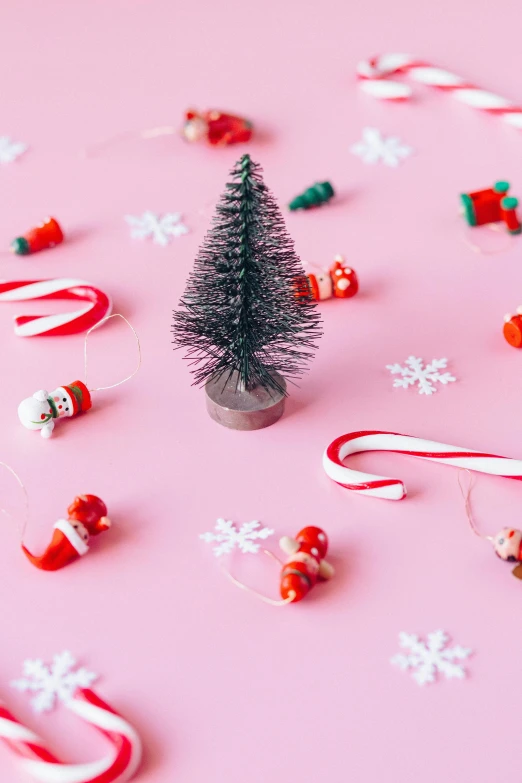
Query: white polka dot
[(314, 551)]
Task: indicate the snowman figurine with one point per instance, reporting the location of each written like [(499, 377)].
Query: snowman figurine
[(40, 411)]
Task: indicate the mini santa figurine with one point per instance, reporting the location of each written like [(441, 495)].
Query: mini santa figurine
[(40, 411), (87, 516), (218, 128), (340, 281), (306, 564)]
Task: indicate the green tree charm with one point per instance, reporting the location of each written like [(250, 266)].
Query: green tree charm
[(314, 196), (246, 316)]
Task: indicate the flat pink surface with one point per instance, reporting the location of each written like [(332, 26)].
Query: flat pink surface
[(221, 686)]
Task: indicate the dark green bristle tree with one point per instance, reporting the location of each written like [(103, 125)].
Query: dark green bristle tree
[(247, 311)]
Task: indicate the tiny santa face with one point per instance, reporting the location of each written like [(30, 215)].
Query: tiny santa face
[(507, 544), (324, 285), (80, 529), (195, 127), (344, 280), (320, 285)]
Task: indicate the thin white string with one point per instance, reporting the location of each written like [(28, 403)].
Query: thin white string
[(466, 494), (148, 133), (316, 266), (152, 133), (476, 248), (97, 147), (266, 599), (26, 499), (112, 386)]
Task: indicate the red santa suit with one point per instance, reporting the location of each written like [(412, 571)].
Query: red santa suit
[(87, 517)]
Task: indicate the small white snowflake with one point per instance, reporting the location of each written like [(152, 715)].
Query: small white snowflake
[(160, 228), (227, 537), (60, 680), (431, 658), (416, 373), (10, 150), (374, 148)]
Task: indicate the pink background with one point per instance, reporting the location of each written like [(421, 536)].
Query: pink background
[(221, 686)]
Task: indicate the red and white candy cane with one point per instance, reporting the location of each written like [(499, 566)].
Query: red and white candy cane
[(98, 305), (375, 73), (394, 489), (42, 765)]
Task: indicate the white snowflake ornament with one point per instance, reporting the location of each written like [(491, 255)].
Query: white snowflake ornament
[(431, 658), (227, 537), (374, 148), (10, 150), (424, 376), (160, 228), (59, 681)]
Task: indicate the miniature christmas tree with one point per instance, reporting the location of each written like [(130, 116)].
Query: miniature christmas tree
[(246, 319)]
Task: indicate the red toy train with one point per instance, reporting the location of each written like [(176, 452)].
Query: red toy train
[(492, 205)]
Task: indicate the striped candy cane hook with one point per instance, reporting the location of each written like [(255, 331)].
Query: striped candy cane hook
[(96, 305), (42, 765), (394, 489), (374, 75)]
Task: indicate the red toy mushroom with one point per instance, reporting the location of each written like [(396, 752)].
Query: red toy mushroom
[(340, 281), (306, 564)]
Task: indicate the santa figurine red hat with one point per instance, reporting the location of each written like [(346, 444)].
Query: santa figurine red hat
[(87, 516)]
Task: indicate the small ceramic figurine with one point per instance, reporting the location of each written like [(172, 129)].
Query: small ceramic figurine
[(44, 235), (339, 281), (306, 564), (492, 205), (87, 516), (314, 196), (216, 127), (40, 411)]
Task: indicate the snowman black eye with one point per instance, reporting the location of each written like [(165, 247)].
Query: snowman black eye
[(64, 399), (67, 409)]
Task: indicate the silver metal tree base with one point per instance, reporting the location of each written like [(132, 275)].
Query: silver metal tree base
[(244, 410)]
